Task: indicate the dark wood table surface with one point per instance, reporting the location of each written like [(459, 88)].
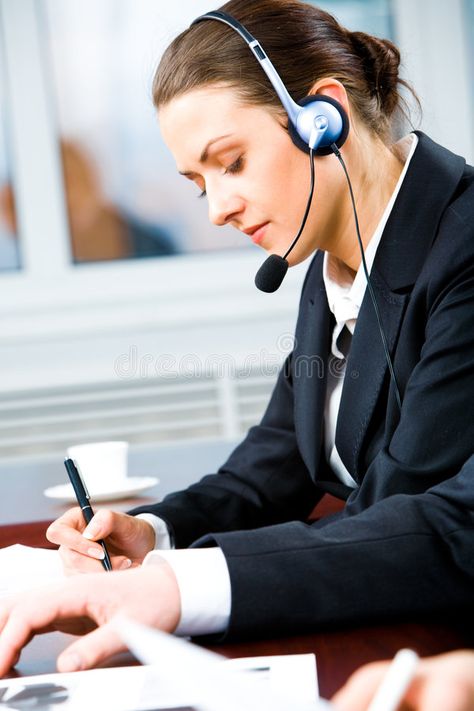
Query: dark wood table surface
[(338, 651)]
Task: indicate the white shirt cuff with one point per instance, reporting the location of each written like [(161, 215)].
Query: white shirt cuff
[(162, 535), (204, 585)]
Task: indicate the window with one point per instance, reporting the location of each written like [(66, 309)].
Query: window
[(372, 16), (65, 326), (9, 247), (124, 196)]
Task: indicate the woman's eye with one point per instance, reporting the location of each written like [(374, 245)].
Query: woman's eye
[(234, 167), (202, 194)]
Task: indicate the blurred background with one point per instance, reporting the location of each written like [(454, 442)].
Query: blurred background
[(124, 314)]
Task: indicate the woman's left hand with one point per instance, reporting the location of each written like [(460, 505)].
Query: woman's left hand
[(85, 605)]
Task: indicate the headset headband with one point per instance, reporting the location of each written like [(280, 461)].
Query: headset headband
[(290, 106)]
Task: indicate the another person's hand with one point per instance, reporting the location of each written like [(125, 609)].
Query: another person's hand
[(85, 605), (128, 540), (442, 683)]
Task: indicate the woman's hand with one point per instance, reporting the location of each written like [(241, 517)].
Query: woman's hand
[(88, 602), (443, 683), (128, 540)]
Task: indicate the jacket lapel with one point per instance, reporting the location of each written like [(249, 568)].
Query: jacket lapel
[(428, 186), (309, 369), (366, 369)]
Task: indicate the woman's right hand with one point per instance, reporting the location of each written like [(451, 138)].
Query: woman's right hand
[(128, 540)]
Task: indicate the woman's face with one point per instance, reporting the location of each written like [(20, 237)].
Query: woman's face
[(254, 177)]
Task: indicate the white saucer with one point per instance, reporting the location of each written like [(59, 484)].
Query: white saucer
[(128, 487)]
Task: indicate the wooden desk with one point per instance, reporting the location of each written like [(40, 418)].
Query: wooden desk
[(338, 651)]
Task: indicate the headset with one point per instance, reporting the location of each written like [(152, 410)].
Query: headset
[(319, 126)]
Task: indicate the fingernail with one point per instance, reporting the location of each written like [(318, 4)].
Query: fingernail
[(91, 531), (69, 662), (127, 563), (96, 553)]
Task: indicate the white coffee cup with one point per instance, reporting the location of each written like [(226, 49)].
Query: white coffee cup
[(103, 465)]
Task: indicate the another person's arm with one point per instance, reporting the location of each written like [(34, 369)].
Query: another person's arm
[(443, 683)]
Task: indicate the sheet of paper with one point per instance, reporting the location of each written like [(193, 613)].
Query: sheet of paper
[(150, 687), (25, 568), (218, 685), (117, 688), (293, 675)]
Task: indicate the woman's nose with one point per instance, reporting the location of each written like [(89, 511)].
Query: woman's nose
[(223, 208)]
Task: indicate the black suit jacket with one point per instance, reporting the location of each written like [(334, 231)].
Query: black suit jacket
[(405, 540)]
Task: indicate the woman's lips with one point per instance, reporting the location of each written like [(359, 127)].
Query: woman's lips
[(257, 233)]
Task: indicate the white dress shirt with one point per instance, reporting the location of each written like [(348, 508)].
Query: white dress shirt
[(202, 573)]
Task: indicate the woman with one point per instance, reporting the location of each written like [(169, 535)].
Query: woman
[(392, 446)]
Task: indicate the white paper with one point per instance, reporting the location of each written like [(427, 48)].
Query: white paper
[(216, 685), (117, 688), (291, 675), (224, 685), (25, 568)]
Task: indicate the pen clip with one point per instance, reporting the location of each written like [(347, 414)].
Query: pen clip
[(82, 481)]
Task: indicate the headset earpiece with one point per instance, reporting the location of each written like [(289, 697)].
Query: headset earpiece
[(332, 110)]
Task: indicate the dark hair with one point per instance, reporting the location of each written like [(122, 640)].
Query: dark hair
[(304, 43)]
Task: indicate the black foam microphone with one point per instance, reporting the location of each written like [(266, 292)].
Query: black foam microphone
[(272, 272)]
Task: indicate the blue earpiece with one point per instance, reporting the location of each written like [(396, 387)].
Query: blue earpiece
[(312, 108), (315, 122)]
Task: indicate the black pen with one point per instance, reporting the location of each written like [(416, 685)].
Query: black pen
[(83, 499)]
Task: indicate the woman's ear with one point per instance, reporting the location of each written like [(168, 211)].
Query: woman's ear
[(333, 88)]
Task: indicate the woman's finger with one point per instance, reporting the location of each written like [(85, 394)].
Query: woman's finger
[(74, 562), (103, 524), (128, 534), (6, 605), (68, 531), (90, 650), (33, 613)]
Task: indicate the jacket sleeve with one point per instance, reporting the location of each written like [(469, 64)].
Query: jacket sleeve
[(263, 482), (403, 555)]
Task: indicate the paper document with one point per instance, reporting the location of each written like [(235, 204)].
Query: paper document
[(116, 689), (293, 675), (218, 685), (25, 568), (245, 684)]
